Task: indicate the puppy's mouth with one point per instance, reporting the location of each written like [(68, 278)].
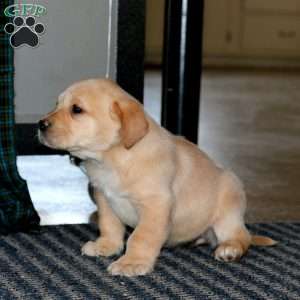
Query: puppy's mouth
[(42, 139), (46, 141)]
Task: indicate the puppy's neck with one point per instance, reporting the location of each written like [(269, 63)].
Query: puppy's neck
[(85, 154), (115, 153)]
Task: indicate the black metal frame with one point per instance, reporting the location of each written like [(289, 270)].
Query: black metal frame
[(130, 69), (182, 67), (131, 45)]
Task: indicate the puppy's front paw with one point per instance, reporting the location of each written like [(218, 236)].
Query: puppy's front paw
[(229, 252), (130, 266), (101, 247)]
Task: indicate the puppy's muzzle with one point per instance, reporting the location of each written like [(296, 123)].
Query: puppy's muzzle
[(43, 125)]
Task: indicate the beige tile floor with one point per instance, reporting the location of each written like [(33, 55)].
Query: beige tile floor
[(250, 123)]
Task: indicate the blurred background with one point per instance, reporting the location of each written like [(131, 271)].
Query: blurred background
[(250, 96), (239, 33)]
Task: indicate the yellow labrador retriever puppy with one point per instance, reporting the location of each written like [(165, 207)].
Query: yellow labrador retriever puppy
[(145, 177)]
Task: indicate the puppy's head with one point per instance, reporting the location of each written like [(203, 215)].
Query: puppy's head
[(93, 115)]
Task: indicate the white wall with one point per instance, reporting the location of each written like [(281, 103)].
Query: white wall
[(73, 47)]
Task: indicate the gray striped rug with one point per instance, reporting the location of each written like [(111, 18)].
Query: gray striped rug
[(49, 266)]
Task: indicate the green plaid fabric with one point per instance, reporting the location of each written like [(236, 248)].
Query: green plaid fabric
[(16, 210)]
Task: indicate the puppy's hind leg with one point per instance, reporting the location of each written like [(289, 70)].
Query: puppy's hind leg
[(232, 245), (232, 235)]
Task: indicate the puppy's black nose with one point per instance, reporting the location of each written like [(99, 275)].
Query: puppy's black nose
[(43, 125)]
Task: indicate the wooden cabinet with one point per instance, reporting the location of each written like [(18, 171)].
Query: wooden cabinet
[(238, 32), (154, 31), (275, 6), (252, 32), (272, 35), (221, 27)]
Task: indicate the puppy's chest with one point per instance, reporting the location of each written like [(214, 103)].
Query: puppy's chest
[(108, 182)]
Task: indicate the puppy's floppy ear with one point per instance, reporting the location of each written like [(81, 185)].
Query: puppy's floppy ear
[(134, 125)]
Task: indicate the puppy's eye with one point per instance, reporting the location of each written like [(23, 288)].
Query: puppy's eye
[(76, 109)]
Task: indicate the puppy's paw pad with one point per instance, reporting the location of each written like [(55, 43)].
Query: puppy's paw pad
[(129, 267), (101, 247), (227, 252)]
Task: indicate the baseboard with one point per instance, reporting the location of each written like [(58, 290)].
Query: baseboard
[(250, 62), (232, 62)]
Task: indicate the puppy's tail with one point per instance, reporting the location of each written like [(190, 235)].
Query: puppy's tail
[(259, 240)]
